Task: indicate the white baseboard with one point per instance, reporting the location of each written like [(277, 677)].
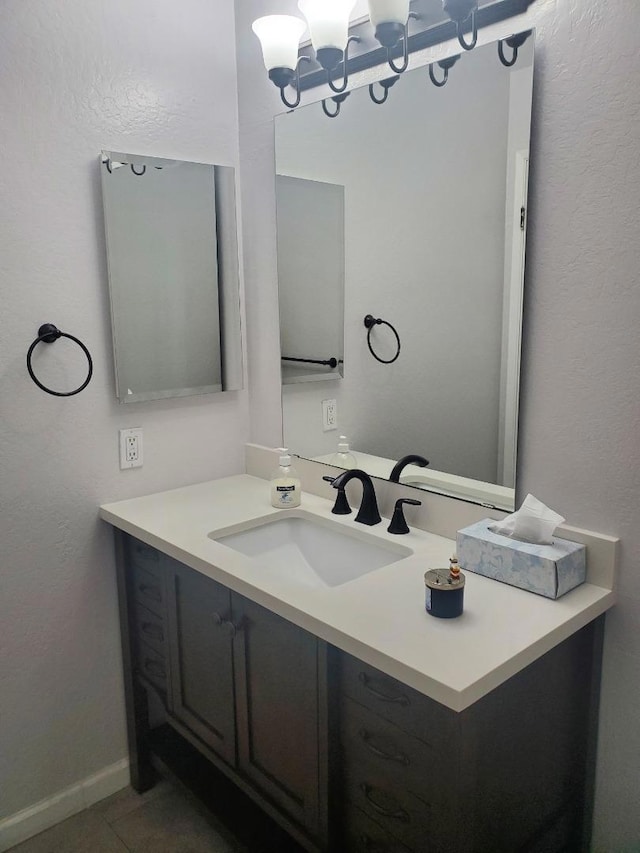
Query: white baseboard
[(40, 816)]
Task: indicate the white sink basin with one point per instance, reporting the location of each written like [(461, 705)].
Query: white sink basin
[(311, 550)]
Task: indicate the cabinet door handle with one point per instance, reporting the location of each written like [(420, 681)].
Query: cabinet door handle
[(398, 699), (398, 755), (397, 814), (233, 627), (150, 590), (153, 630), (230, 627)]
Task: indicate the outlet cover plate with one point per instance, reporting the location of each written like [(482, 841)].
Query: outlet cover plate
[(131, 448)]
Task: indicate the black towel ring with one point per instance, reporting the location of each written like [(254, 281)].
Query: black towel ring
[(370, 321), (49, 333)]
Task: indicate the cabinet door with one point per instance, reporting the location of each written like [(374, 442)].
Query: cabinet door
[(201, 657), (278, 699)]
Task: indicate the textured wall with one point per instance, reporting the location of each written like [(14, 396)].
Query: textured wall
[(579, 448), (77, 76)]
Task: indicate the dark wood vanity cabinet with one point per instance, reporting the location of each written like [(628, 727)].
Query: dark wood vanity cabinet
[(344, 757), (513, 772), (245, 681), (244, 684)]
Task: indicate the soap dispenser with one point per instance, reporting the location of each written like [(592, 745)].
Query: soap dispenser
[(285, 483), (343, 458)]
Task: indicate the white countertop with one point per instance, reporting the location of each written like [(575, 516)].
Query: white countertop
[(379, 617)]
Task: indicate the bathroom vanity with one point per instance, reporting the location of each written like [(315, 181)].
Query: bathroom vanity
[(353, 718)]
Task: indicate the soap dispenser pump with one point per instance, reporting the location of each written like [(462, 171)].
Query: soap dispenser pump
[(285, 483), (343, 458)]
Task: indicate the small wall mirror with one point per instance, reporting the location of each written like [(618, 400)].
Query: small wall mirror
[(435, 188), (172, 255)]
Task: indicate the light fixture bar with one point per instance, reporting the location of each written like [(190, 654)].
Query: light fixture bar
[(431, 28)]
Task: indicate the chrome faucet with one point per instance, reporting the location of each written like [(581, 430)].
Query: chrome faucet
[(368, 512), (412, 459)]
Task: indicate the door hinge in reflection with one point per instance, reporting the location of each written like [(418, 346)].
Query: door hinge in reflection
[(522, 218)]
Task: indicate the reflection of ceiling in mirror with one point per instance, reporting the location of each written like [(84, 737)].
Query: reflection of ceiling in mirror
[(431, 185)]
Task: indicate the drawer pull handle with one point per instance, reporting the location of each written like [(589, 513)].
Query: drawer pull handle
[(398, 756), (397, 814), (148, 553), (398, 699), (154, 667), (153, 630), (370, 844), (151, 591)]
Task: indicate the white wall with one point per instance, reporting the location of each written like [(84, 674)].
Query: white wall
[(77, 76), (579, 448)]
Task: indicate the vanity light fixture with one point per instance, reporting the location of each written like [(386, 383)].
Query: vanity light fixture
[(446, 64), (338, 100), (460, 11), (280, 39), (514, 42), (328, 22), (390, 19), (331, 36), (385, 85)]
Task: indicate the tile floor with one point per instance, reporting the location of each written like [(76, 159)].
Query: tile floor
[(166, 819)]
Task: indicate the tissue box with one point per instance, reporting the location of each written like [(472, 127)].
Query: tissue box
[(549, 570)]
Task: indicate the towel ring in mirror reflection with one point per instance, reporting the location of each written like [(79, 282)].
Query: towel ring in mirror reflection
[(48, 333), (370, 321)]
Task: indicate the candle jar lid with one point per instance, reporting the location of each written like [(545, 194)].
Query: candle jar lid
[(441, 579)]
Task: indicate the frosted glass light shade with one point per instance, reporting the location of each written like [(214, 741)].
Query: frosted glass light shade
[(328, 21), (388, 12), (280, 38)]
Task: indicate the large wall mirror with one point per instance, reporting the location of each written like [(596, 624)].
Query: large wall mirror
[(172, 254), (434, 183)]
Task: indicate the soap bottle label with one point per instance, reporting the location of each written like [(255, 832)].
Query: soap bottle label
[(285, 494)]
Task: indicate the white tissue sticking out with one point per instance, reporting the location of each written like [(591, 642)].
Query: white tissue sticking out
[(533, 522)]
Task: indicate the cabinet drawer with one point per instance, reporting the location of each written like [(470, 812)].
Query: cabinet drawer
[(363, 835), (153, 666), (405, 762), (150, 629), (409, 710), (401, 813), (143, 556), (148, 590)]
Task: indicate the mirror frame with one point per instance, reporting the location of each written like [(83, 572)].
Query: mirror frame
[(461, 488)]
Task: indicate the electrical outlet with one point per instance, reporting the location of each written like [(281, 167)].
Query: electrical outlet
[(329, 415), (131, 448)]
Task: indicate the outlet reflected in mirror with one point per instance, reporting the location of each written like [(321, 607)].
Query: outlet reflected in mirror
[(173, 276)]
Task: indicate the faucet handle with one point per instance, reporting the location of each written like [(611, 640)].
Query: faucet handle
[(398, 522), (341, 506)]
